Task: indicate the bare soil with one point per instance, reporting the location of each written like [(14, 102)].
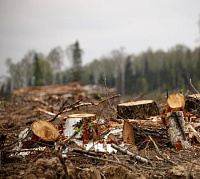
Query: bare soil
[(18, 113)]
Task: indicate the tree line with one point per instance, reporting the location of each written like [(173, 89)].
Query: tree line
[(148, 71), (129, 73)]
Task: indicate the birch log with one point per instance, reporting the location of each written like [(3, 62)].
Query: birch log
[(137, 157), (86, 118), (177, 130)]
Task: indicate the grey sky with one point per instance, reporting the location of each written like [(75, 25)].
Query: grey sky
[(100, 26)]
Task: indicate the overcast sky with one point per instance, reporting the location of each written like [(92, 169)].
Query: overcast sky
[(99, 25)]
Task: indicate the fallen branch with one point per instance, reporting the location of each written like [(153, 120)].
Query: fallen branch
[(63, 108), (160, 153), (137, 157), (189, 176), (109, 103), (111, 161), (196, 134), (47, 112), (90, 104), (87, 152), (62, 161), (193, 87), (108, 98)]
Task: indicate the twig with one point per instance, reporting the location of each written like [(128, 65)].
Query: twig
[(47, 112), (105, 85), (167, 93), (90, 104), (136, 98), (111, 161), (87, 152), (189, 176), (107, 99), (196, 134), (160, 153), (63, 108), (137, 157), (29, 132), (193, 87), (62, 161)]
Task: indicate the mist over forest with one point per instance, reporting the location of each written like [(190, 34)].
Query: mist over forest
[(135, 47), (130, 74)]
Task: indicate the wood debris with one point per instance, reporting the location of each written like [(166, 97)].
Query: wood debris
[(45, 130), (80, 134)]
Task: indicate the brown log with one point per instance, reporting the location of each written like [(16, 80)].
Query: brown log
[(144, 128), (128, 133), (137, 110), (45, 130), (176, 101), (177, 130)]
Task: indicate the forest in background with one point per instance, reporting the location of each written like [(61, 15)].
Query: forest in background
[(131, 74)]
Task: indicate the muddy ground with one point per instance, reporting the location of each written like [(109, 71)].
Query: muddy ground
[(18, 113)]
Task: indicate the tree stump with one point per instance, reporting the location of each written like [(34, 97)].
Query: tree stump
[(137, 110), (45, 130), (177, 130), (85, 122)]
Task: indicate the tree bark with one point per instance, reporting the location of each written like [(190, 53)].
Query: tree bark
[(86, 119), (137, 110), (145, 128), (177, 130)]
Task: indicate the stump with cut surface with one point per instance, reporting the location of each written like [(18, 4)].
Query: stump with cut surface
[(175, 102), (45, 130), (137, 110), (86, 119)]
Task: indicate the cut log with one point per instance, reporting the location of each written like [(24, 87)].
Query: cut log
[(144, 128), (177, 130), (45, 130), (86, 119), (137, 110), (176, 101), (128, 133)]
